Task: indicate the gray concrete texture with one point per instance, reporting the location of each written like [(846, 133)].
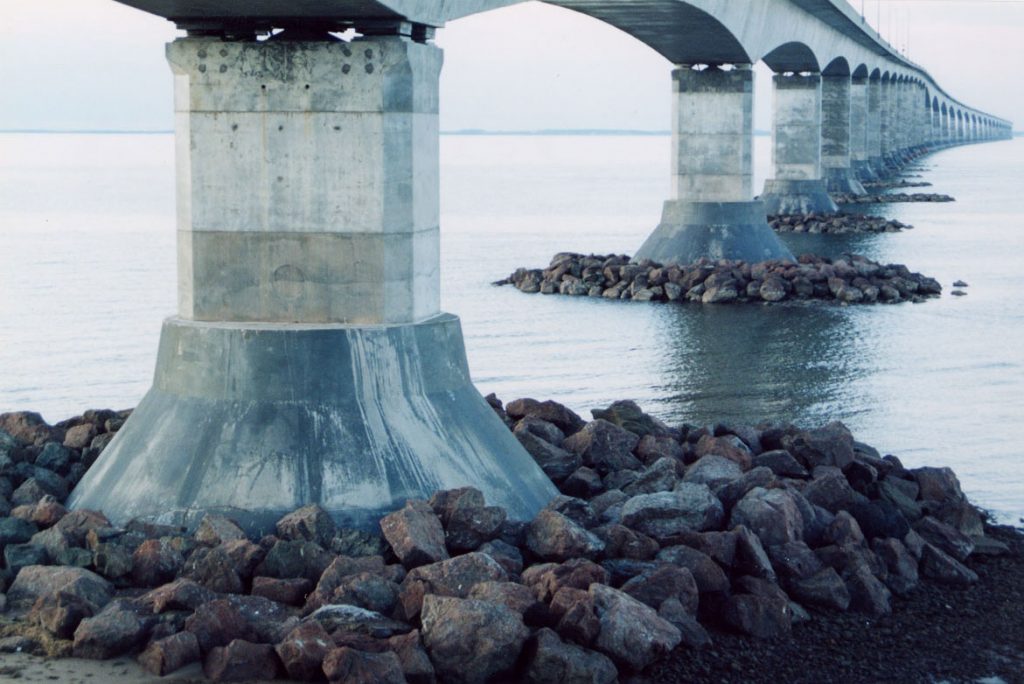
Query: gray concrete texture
[(254, 421), (307, 180)]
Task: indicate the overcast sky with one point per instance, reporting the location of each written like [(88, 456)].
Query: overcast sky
[(95, 64)]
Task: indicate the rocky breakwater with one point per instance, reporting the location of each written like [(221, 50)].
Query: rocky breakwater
[(890, 197), (662, 538), (848, 280), (836, 224)]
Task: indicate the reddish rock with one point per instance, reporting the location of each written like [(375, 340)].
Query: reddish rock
[(367, 590), (469, 527), (170, 654), (447, 501), (515, 596), (471, 641), (80, 436), (291, 592), (155, 562), (38, 580), (302, 652), (181, 594), (415, 534), (358, 667), (28, 427), (214, 569), (563, 418), (114, 631), (240, 661), (730, 447), (217, 529), (576, 615), (76, 525), (622, 542), (309, 523), (60, 613), (453, 577), (545, 580), (217, 623), (416, 665)]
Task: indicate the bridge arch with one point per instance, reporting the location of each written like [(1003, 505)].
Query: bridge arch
[(837, 67), (793, 57)]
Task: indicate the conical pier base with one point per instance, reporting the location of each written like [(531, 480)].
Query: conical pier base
[(253, 421)]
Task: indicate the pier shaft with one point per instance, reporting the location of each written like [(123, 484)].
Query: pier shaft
[(711, 213)]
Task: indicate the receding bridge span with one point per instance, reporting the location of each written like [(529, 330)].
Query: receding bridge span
[(309, 360)]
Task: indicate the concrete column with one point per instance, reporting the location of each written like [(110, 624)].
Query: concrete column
[(309, 362), (935, 123), (887, 109), (711, 213), (947, 129), (859, 130), (874, 127), (904, 121), (797, 186), (836, 136)]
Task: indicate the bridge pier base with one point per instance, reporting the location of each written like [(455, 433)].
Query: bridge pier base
[(309, 362), (797, 187), (711, 213)]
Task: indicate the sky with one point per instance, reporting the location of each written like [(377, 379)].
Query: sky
[(99, 65)]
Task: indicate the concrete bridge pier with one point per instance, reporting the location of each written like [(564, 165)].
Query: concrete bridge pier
[(837, 132), (309, 361), (797, 187), (711, 213), (859, 158), (874, 128), (888, 106)]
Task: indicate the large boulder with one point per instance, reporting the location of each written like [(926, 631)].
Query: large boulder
[(549, 660), (764, 617), (631, 633), (604, 447), (557, 463), (115, 630), (772, 514), (552, 536), (453, 577), (310, 523), (713, 470), (352, 666), (240, 661), (664, 515), (471, 641), (709, 576), (831, 445), (666, 581), (551, 411), (415, 534), (38, 580), (629, 416), (170, 654)]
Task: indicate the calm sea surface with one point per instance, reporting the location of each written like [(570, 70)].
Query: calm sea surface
[(87, 273)]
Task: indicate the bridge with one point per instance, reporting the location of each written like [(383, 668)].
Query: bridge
[(309, 360)]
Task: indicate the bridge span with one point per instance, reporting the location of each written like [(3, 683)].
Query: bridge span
[(309, 360)]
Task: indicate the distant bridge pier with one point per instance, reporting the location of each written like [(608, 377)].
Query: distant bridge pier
[(836, 135), (860, 161), (797, 186), (874, 123), (711, 213), (309, 361)]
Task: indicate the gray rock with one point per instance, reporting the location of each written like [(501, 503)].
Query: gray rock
[(37, 580), (471, 641), (309, 523), (867, 593), (170, 654), (240, 660), (577, 510), (824, 589), (735, 490), (751, 557), (692, 632), (553, 661), (709, 576), (937, 484), (629, 416), (831, 491), (665, 581), (114, 631), (454, 577), (604, 447), (661, 516), (345, 618), (549, 432), (794, 560), (936, 564), (468, 528), (622, 542), (944, 537), (556, 462), (771, 514), (758, 616), (713, 470), (830, 445), (552, 536), (660, 476), (901, 567), (630, 632)]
